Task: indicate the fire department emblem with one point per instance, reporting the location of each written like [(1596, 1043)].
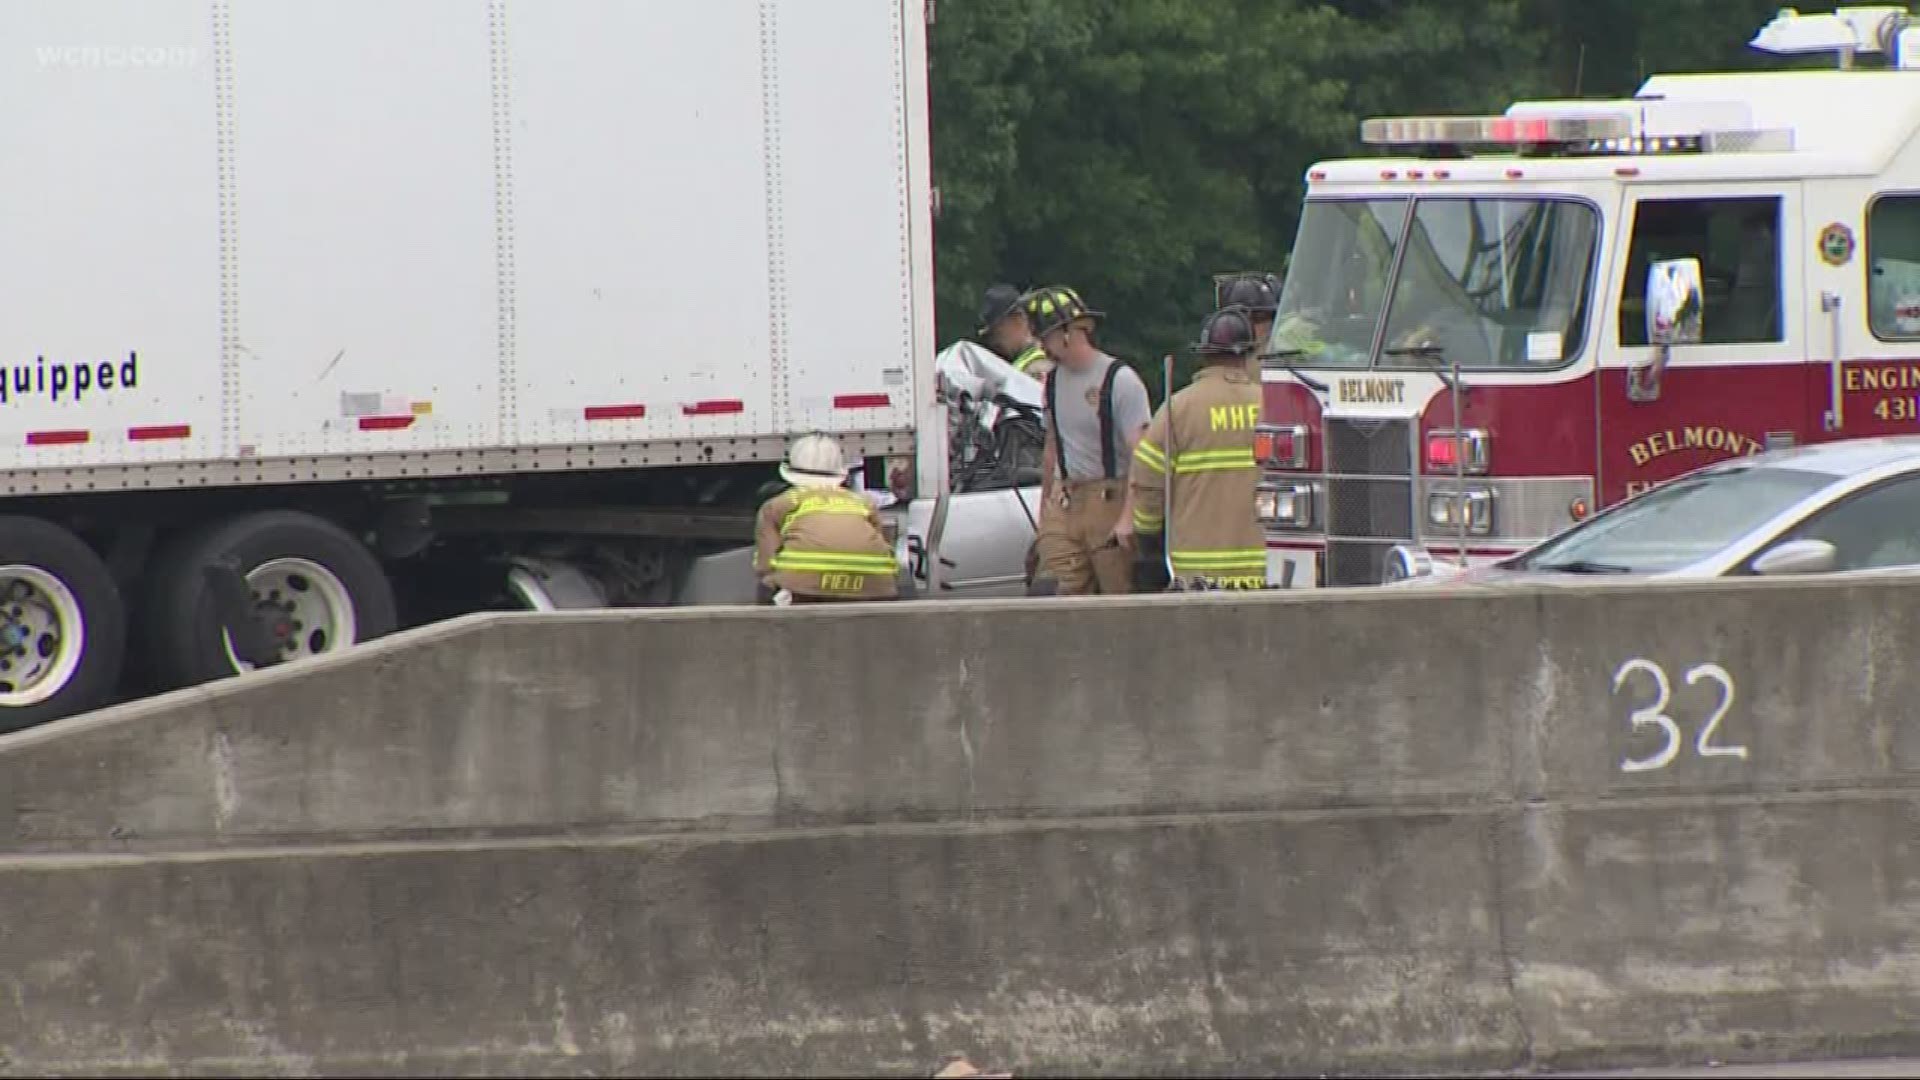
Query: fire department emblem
[(1093, 398), (1836, 244)]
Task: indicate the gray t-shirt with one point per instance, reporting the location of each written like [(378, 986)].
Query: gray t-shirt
[(1077, 428)]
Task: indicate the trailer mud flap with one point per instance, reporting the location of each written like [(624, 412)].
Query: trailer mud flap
[(253, 640)]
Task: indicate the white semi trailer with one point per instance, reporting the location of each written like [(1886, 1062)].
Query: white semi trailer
[(323, 317)]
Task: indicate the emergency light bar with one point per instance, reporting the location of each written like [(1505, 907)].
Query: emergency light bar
[(1590, 134), (1494, 130)]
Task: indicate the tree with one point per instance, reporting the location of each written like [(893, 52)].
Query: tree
[(1609, 47), (1133, 148)]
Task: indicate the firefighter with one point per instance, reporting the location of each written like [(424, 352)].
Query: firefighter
[(818, 542), (1203, 441), (1259, 294), (1096, 409), (1004, 328)]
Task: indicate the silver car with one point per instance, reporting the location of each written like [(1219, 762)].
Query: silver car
[(1835, 508), (984, 529)]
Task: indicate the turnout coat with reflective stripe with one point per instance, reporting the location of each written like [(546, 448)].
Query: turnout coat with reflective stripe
[(824, 542), (1203, 438), (1033, 362)]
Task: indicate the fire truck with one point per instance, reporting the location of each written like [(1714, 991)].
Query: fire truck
[(1510, 321)]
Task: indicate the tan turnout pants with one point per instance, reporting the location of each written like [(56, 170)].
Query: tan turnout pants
[(1075, 543)]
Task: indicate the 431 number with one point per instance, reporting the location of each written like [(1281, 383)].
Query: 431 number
[(1897, 409)]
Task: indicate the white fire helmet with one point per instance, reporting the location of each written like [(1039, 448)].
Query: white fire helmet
[(815, 461)]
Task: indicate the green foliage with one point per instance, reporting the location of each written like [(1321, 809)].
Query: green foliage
[(1133, 148)]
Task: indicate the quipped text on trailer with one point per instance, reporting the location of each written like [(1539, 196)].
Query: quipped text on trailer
[(63, 380)]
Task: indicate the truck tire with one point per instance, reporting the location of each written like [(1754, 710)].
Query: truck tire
[(63, 627), (313, 585)]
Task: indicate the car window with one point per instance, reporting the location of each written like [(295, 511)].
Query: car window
[(1874, 530), (1893, 267), (1736, 241), (1676, 523)]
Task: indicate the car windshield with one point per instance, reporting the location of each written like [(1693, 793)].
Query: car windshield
[(1677, 523), (1494, 282)]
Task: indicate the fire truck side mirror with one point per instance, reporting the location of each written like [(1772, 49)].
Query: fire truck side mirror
[(1675, 302), (1675, 316)]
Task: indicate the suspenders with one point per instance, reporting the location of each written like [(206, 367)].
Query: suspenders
[(1109, 456)]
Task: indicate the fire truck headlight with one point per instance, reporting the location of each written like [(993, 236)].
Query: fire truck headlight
[(1446, 509), (1285, 506)]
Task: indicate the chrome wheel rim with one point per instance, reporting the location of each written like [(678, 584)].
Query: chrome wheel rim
[(43, 635), (305, 607)]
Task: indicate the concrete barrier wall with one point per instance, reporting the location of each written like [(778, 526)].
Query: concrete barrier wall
[(749, 719), (1330, 833), (1294, 943), (1110, 947)]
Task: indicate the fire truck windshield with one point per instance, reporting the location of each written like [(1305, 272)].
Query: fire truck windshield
[(1482, 282), (1337, 280)]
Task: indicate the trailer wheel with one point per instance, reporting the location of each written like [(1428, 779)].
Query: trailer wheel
[(311, 587), (63, 627)]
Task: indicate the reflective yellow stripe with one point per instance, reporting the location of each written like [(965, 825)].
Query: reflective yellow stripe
[(1243, 559), (838, 558), (1147, 521), (1185, 467), (1184, 570), (1213, 460), (1226, 453), (1249, 569), (1221, 553), (848, 504), (1026, 359), (788, 567), (1151, 456), (820, 562)]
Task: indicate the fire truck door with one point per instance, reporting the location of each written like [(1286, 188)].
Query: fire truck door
[(1745, 384), (1864, 275)]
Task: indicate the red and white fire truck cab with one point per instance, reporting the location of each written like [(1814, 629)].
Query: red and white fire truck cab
[(1518, 319)]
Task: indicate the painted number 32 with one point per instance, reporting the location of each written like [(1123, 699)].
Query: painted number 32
[(1655, 714)]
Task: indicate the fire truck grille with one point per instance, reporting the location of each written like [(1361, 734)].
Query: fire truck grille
[(1369, 448), (1370, 493), (1370, 508)]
